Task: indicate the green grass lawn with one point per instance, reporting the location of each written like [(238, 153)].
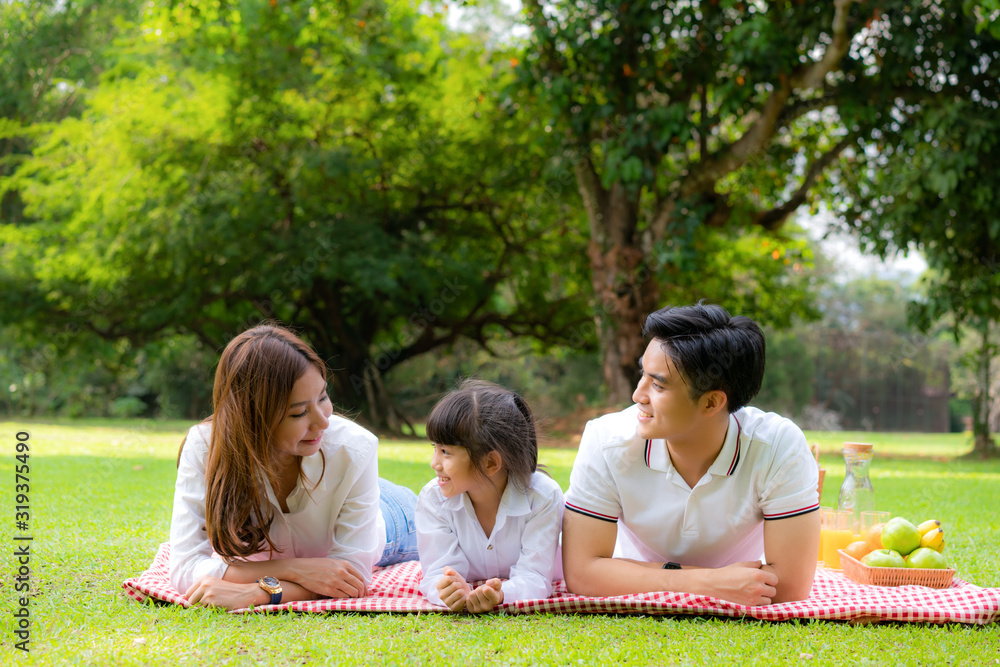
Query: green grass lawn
[(101, 497), (948, 445)]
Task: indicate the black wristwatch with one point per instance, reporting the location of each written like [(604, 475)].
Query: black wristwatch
[(671, 566), (272, 586)]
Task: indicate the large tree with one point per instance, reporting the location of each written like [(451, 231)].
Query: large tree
[(936, 190), (353, 171), (711, 113), (926, 175)]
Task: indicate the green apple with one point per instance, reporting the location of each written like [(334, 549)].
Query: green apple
[(884, 558), (928, 558), (900, 535)]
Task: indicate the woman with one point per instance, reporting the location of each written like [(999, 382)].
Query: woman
[(277, 499)]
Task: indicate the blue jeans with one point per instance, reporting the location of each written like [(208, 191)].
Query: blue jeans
[(399, 508)]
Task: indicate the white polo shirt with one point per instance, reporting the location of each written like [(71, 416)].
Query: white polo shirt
[(338, 518), (765, 471), (523, 548)]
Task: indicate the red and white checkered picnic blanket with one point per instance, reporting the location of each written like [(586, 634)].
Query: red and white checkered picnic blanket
[(833, 597)]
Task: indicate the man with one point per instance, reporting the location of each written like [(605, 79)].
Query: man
[(687, 488)]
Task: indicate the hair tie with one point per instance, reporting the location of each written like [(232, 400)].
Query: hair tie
[(525, 411), (521, 406)]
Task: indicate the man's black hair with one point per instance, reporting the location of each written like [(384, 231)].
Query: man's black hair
[(711, 349)]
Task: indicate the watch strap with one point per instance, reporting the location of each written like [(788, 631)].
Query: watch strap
[(670, 565)]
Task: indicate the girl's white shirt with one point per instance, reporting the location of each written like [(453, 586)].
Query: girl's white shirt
[(523, 548), (337, 518)]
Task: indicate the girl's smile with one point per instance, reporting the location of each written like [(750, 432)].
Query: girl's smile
[(455, 472)]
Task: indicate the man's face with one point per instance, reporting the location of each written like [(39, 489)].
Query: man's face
[(666, 409)]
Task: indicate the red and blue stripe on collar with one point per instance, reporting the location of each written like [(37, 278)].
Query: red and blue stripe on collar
[(736, 455)]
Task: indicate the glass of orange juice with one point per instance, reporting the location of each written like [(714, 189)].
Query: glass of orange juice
[(835, 533), (823, 511), (870, 520)]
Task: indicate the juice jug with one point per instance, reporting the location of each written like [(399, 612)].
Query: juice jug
[(856, 493)]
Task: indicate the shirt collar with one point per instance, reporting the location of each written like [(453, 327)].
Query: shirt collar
[(455, 503), (312, 468), (729, 458), (656, 457), (514, 502)]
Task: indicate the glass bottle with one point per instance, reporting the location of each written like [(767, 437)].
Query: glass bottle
[(856, 493)]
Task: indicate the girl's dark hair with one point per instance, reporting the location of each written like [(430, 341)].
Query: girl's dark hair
[(483, 417), (711, 349)]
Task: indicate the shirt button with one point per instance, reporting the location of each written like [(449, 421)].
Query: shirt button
[(489, 548)]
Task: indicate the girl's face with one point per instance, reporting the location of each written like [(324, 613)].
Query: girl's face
[(308, 414), (455, 472)]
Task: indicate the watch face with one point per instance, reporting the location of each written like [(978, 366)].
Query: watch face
[(270, 582)]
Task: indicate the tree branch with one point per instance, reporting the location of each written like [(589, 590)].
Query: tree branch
[(734, 156), (813, 76), (774, 218), (759, 134), (793, 112)]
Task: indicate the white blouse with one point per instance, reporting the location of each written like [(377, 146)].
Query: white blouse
[(338, 518), (523, 548)]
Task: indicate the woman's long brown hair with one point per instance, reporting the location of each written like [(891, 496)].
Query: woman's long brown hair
[(253, 383)]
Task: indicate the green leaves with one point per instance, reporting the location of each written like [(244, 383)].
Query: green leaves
[(986, 14), (353, 170)]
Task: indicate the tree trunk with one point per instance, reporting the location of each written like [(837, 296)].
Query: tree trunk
[(984, 446), (625, 294), (359, 388), (624, 290)]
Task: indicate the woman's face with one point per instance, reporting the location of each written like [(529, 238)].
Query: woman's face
[(308, 414)]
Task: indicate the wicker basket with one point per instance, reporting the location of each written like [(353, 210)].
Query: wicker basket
[(894, 576)]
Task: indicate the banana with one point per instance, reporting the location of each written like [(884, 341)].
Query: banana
[(934, 539), (928, 526)]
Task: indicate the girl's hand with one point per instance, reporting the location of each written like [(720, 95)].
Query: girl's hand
[(214, 592), (453, 589), (485, 598), (326, 576)]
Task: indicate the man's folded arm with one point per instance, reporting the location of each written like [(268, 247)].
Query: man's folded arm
[(790, 548), (589, 569)]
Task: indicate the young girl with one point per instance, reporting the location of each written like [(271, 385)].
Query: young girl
[(276, 498), (488, 514)]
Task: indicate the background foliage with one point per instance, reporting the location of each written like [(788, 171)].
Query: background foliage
[(415, 198)]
